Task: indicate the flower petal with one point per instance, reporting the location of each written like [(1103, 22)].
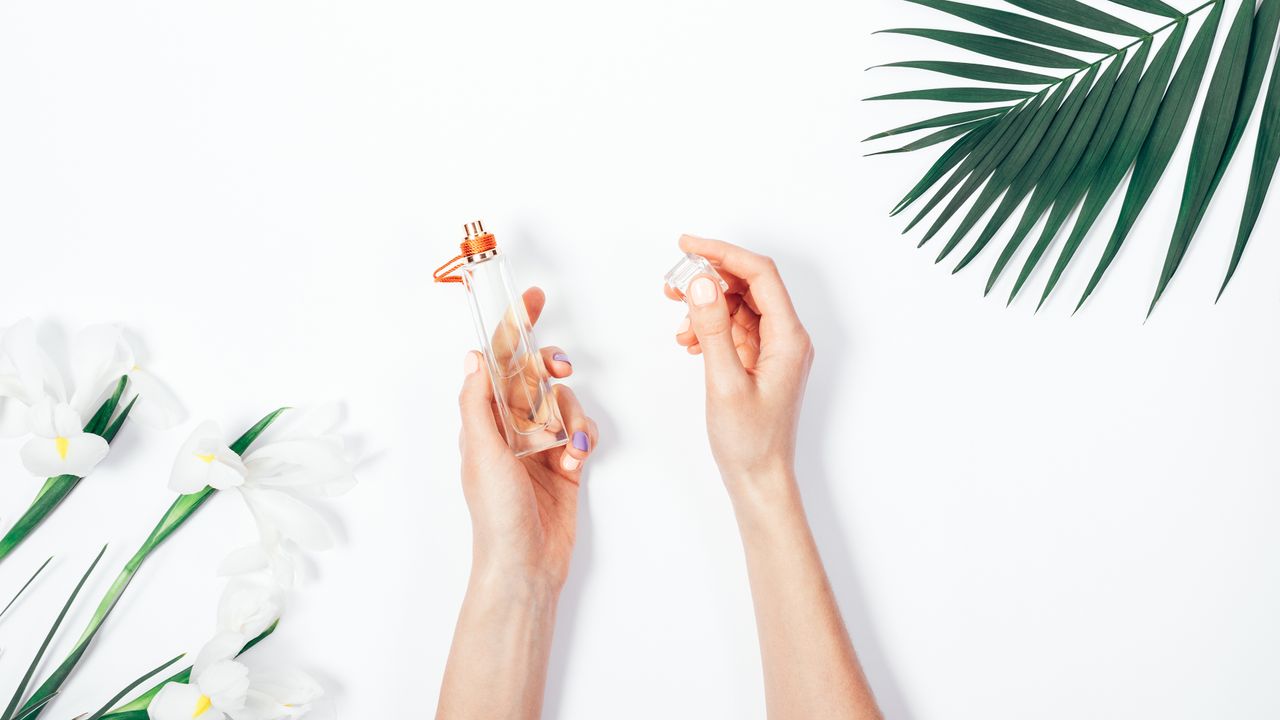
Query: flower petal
[(224, 474), (248, 607), (179, 701), (30, 363), (279, 694), (223, 646), (226, 682), (75, 455), (157, 408), (99, 357), (291, 517), (40, 418), (194, 463), (66, 422)]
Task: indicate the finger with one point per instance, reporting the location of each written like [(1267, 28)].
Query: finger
[(534, 301), (579, 428), (475, 403), (709, 315), (758, 272), (671, 292), (684, 333), (557, 362), (694, 349)]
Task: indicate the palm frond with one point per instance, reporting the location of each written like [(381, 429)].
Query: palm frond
[(1069, 144)]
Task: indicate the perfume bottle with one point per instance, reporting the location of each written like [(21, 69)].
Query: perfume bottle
[(527, 408)]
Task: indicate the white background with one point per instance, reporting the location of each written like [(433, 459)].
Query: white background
[(1023, 515)]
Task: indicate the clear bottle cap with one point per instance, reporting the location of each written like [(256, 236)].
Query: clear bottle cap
[(690, 267)]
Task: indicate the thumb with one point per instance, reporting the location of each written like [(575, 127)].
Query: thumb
[(475, 403), (709, 316)]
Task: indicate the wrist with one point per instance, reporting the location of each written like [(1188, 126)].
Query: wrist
[(512, 579)]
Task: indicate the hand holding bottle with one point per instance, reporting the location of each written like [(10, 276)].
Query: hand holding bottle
[(757, 356), (523, 510)]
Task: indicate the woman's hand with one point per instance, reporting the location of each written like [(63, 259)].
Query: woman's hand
[(757, 356), (523, 510)]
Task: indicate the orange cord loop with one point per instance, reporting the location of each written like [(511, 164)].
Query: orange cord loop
[(476, 242)]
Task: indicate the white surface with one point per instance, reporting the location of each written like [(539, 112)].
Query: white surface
[(1023, 515)]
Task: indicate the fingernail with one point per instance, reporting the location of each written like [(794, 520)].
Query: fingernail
[(684, 326), (702, 291), (580, 441), (561, 357), (569, 462), (470, 363)]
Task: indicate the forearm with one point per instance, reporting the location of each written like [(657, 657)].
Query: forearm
[(810, 668), (498, 663)]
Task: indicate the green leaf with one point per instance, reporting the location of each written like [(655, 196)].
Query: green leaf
[(1014, 152), (997, 47), (934, 138), (35, 707), (26, 585), (1104, 127), (1102, 174), (1017, 174), (179, 512), (129, 688), (1096, 180), (104, 412), (1019, 26), (1264, 168), (1096, 126), (43, 694), (941, 121), (54, 491), (958, 151), (1155, 7), (109, 433), (960, 94), (975, 71), (1077, 13), (1010, 125), (1162, 140), (1212, 135)]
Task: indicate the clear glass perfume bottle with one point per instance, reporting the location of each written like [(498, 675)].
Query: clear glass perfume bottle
[(527, 408)]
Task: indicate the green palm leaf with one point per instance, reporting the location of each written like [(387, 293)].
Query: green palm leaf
[(975, 71), (1090, 136), (941, 121), (955, 154), (1212, 135), (962, 94), (997, 47), (1018, 177), (1155, 7), (1019, 26), (1070, 145), (1081, 15), (934, 138), (1264, 159), (1162, 140)]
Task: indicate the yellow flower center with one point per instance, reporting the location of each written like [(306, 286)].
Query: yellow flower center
[(202, 706), (62, 444), (207, 458)]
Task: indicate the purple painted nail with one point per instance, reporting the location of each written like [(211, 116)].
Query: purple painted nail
[(561, 357), (580, 441)]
